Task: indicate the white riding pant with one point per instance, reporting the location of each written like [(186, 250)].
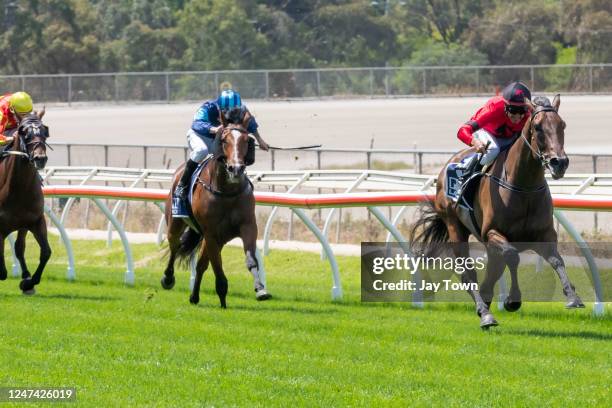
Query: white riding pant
[(493, 149), (200, 146)]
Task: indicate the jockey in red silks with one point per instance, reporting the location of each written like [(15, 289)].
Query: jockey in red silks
[(497, 124), (12, 108)]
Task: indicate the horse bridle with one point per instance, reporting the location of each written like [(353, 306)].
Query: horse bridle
[(27, 145), (216, 192), (544, 161)]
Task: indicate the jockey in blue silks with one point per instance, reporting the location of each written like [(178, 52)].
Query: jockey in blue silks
[(200, 137)]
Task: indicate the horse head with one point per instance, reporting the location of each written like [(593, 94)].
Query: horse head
[(32, 138), (231, 143), (547, 135)]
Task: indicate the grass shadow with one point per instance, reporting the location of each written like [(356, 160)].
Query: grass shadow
[(64, 296), (558, 334)]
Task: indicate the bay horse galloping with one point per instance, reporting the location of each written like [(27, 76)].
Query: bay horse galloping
[(512, 210), (21, 196), (223, 208)]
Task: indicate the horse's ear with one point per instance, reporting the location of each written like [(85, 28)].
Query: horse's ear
[(41, 113), (223, 118), (530, 104), (556, 102)]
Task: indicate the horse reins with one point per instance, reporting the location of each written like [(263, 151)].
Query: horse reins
[(540, 156)]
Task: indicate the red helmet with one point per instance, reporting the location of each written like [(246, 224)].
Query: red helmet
[(516, 94)]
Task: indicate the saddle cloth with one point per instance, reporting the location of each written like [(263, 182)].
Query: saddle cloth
[(454, 171)]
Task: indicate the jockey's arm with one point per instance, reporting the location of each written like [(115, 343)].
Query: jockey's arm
[(252, 128), (262, 144), (466, 132), (201, 122), (4, 139)]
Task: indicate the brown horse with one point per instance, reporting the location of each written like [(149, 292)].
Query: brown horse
[(512, 210), (21, 196), (223, 208)]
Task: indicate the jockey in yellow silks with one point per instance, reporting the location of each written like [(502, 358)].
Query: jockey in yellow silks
[(12, 108)]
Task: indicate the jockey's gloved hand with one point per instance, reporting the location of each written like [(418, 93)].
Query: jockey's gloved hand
[(263, 145), (480, 147)]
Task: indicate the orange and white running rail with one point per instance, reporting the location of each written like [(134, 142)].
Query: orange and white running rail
[(298, 202), (312, 201)]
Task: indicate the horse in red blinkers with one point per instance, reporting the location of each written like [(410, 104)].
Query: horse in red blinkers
[(512, 210), (223, 208), (21, 196)]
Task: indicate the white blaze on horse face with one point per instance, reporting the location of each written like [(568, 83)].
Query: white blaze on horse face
[(236, 135)]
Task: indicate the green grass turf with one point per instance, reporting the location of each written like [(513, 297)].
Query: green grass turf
[(146, 346)]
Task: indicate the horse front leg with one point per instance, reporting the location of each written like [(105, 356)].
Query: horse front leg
[(20, 246), (3, 273), (502, 253), (40, 234), (549, 252), (248, 234)]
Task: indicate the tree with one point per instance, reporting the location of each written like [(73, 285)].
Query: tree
[(516, 33), (220, 35), (588, 25)]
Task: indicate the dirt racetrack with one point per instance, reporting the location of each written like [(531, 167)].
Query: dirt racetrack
[(392, 123)]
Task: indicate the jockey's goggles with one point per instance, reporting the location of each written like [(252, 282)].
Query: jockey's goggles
[(516, 110)]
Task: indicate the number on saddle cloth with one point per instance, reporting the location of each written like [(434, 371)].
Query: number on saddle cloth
[(454, 172)]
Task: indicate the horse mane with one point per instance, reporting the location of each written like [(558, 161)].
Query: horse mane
[(541, 101), (30, 119)]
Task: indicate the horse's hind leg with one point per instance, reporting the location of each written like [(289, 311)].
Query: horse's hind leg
[(548, 250), (458, 237), (201, 267), (248, 233), (503, 253), (40, 234), (214, 254), (174, 231), (3, 273), (20, 245)]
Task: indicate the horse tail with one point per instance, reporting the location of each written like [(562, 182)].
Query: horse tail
[(190, 240), (428, 230)]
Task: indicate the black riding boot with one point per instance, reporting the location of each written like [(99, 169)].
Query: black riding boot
[(179, 199)]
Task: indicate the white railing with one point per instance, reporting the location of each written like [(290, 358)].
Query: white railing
[(298, 202)]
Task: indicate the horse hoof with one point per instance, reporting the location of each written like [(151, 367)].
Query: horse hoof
[(26, 285), (168, 282), (29, 292), (575, 303), (262, 295), (194, 300), (487, 321), (511, 306)]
